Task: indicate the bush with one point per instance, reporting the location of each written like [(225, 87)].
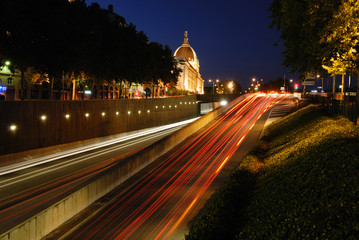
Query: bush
[(302, 183)]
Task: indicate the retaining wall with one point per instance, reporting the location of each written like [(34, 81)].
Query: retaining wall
[(71, 121), (51, 218)]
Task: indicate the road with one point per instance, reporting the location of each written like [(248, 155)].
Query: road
[(36, 182), (160, 201)]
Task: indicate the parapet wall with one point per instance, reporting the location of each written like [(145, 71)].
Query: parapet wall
[(47, 123)]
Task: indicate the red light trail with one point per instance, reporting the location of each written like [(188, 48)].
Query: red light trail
[(158, 200)]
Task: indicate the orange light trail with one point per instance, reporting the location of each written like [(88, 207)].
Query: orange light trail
[(177, 181)]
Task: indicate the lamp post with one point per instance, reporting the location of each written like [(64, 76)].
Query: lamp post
[(210, 80)]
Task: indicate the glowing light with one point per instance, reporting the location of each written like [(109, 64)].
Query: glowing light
[(46, 159), (87, 92), (224, 103), (240, 141), (139, 112), (224, 162), (87, 115), (148, 111), (43, 117), (13, 127), (103, 114), (117, 113), (129, 112), (156, 107), (7, 63), (67, 116)]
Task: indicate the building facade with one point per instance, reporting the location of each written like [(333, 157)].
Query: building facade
[(189, 79)]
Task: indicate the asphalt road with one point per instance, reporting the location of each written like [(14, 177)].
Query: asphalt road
[(38, 181), (161, 201)]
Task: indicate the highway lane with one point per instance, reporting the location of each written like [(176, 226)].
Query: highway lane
[(158, 202), (28, 187)]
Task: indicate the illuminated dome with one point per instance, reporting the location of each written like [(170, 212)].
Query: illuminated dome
[(187, 52)]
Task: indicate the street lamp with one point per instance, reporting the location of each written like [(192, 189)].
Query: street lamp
[(212, 84)]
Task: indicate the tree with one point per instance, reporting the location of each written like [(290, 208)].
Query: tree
[(276, 85), (17, 39), (342, 37), (301, 23), (62, 38)]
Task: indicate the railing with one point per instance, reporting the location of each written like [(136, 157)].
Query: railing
[(346, 105)]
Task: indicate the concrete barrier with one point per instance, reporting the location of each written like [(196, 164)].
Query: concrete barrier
[(49, 219)]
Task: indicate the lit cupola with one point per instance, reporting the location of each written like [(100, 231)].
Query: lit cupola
[(187, 52)]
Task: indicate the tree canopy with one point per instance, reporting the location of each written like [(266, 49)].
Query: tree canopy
[(318, 36), (59, 36)]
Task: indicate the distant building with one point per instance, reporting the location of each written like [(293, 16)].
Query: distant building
[(189, 79)]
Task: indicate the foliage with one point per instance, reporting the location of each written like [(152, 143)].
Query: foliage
[(302, 25), (306, 170), (342, 37), (59, 38), (276, 85)]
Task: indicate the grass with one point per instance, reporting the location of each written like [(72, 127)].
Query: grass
[(299, 182)]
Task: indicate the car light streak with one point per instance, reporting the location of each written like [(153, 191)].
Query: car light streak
[(221, 166), (63, 154), (77, 160), (23, 203), (163, 195)]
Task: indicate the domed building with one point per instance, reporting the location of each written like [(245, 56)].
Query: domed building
[(189, 79)]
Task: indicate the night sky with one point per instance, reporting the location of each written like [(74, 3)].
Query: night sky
[(231, 38)]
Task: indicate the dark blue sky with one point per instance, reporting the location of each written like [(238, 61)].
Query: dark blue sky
[(231, 38)]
